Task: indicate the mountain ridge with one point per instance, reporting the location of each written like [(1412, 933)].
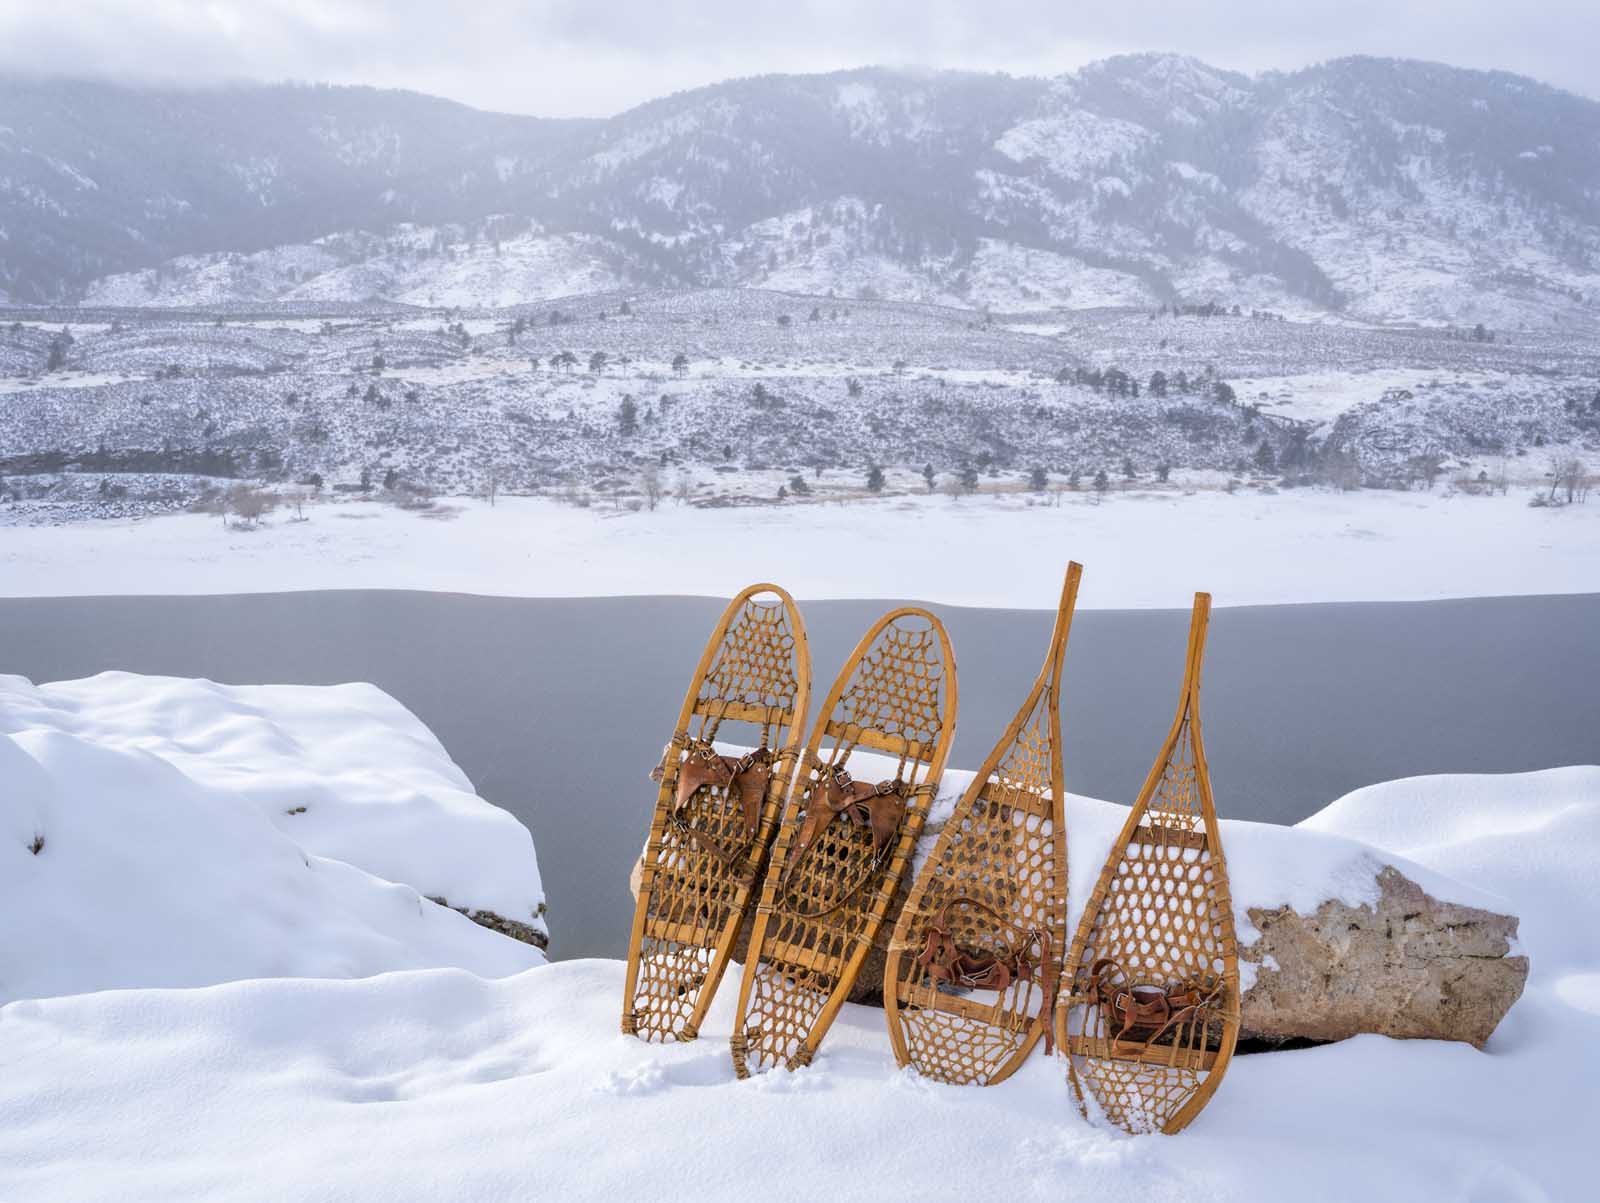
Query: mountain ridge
[(1391, 189)]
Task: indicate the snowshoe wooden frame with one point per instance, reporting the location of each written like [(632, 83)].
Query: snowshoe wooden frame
[(1148, 1009), (993, 892), (829, 887), (701, 862)]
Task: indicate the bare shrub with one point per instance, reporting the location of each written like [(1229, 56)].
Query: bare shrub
[(248, 505), (1569, 480)]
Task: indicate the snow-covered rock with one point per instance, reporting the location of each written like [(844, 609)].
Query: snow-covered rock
[(1337, 937), (1404, 965), (439, 1085), (165, 832)]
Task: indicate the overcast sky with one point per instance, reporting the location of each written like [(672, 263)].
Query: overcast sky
[(596, 57)]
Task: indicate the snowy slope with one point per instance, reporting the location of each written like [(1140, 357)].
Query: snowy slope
[(441, 1086), (164, 832), (212, 279), (494, 274), (414, 265)]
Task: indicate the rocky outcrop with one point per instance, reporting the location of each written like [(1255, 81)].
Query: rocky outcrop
[(1407, 966), (516, 929)]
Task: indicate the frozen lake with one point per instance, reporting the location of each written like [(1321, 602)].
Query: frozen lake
[(558, 708)]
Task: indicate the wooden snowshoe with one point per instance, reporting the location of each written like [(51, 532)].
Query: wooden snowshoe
[(716, 812), (976, 956), (1148, 1010), (845, 844)]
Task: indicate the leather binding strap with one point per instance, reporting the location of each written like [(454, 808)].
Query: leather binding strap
[(743, 777), (1142, 1014), (945, 960)]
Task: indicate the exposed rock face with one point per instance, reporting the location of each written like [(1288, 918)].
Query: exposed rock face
[(1409, 966), (517, 930)]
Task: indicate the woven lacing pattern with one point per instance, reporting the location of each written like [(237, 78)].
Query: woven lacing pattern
[(693, 893)]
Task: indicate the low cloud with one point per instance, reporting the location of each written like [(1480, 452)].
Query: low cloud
[(596, 57)]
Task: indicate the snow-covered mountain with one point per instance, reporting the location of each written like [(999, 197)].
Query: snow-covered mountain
[(1388, 189)]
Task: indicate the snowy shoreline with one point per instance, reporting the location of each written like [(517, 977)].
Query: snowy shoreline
[(1143, 551)]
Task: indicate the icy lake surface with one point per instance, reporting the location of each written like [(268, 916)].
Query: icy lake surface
[(558, 708)]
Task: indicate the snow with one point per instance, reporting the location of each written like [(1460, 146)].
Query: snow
[(1270, 865), (1016, 279), (1073, 143), (1530, 837), (165, 832), (1324, 396), (439, 1085), (525, 268), (356, 266), (1247, 548), (67, 379)]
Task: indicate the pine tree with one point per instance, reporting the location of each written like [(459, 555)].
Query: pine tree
[(627, 416), (875, 479), (1037, 480), (927, 475)]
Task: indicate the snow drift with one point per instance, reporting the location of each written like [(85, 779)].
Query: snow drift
[(162, 832)]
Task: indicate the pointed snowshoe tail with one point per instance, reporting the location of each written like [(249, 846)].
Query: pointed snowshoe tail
[(724, 776), (860, 796), (1148, 1009), (976, 954)]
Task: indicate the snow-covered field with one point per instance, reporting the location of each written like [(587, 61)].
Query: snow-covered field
[(1149, 550), (441, 1085)]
